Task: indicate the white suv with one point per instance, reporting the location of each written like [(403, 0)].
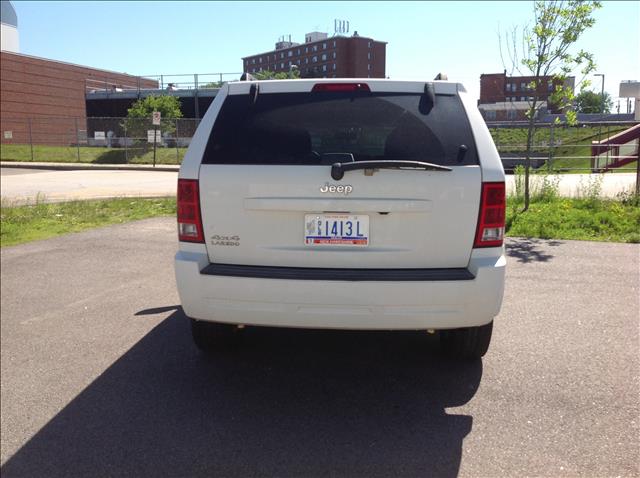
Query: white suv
[(344, 204)]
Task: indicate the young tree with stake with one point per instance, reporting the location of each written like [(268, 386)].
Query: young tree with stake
[(545, 52)]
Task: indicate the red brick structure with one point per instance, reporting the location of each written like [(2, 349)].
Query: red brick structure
[(37, 88), (326, 57), (505, 98)]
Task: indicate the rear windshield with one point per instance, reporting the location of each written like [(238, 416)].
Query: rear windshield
[(326, 127)]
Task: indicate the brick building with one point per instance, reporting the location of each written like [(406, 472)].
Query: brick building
[(37, 88), (506, 98), (321, 56)]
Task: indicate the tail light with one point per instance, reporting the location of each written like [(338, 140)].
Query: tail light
[(189, 219), (340, 87), (490, 231)]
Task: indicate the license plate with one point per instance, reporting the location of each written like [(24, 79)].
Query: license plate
[(336, 230)]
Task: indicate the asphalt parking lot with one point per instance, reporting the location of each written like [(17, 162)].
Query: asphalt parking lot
[(99, 377)]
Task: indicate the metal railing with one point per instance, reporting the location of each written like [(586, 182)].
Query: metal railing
[(616, 151), (174, 82)]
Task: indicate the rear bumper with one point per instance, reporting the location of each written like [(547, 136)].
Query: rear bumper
[(343, 304)]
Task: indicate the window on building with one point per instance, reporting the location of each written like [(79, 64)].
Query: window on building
[(306, 61), (511, 114), (298, 51), (314, 59), (334, 67), (550, 85), (297, 61), (274, 56), (523, 98), (334, 55), (324, 57), (324, 67), (523, 86), (281, 55), (369, 56), (260, 60), (315, 47), (508, 88), (324, 46), (290, 63), (290, 53), (368, 44), (253, 61), (306, 49), (490, 115), (334, 43), (369, 67), (282, 65)]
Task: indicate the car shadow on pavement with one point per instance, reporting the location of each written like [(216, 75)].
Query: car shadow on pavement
[(288, 402), (527, 250)]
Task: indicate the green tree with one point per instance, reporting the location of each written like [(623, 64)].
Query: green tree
[(213, 84), (591, 102), (270, 75), (138, 119), (546, 52)]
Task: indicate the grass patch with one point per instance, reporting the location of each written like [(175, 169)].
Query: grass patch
[(20, 224), (587, 219), (98, 155), (548, 217)]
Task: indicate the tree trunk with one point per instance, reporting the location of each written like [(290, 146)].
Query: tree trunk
[(527, 161)]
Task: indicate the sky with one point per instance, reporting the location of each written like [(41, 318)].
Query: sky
[(460, 39)]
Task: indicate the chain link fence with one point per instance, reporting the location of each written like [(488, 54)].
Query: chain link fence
[(96, 140), (563, 148), (558, 148)]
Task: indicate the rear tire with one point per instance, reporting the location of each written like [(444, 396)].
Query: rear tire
[(467, 343), (214, 337)]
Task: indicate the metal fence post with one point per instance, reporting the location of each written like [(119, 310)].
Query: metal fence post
[(551, 146), (177, 141), (77, 139), (196, 104), (126, 152), (30, 138)]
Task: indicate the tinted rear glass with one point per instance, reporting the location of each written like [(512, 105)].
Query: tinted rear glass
[(322, 128)]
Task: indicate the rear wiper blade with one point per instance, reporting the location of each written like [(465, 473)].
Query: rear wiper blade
[(338, 169)]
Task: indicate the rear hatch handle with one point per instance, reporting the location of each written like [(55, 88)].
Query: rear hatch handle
[(338, 169)]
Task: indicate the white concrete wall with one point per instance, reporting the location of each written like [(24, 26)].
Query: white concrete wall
[(9, 38)]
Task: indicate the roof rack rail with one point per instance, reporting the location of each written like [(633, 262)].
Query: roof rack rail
[(247, 77), (441, 76)]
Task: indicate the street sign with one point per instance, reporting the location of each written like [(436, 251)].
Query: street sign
[(8, 135), (151, 133), (99, 135), (156, 118)]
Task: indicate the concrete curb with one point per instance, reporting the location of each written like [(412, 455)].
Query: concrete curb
[(89, 167)]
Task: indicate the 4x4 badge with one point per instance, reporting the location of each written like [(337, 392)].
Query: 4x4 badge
[(332, 188)]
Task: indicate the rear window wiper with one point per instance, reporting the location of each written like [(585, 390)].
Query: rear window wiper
[(338, 169)]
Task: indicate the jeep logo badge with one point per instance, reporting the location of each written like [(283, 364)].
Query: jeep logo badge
[(331, 188)]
